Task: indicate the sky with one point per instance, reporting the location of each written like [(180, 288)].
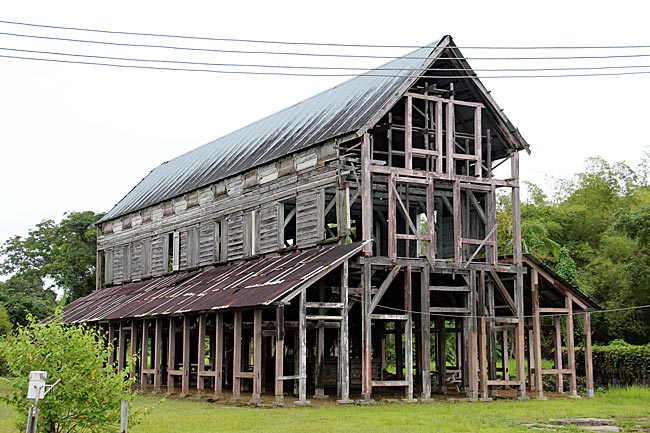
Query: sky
[(78, 137)]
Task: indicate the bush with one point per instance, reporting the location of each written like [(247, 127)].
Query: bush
[(621, 364), (88, 397)]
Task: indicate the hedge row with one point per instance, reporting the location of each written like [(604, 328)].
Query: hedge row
[(621, 364)]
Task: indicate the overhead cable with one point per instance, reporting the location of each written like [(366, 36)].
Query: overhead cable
[(325, 44), (307, 54)]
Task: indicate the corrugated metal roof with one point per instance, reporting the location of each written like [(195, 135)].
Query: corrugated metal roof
[(247, 284), (315, 120)]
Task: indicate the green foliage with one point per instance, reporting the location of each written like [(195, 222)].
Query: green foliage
[(622, 364), (64, 252), (88, 397), (23, 294)]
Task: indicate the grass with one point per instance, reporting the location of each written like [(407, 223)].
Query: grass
[(630, 407)]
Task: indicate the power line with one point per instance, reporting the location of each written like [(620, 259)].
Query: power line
[(325, 44), (306, 54), (333, 68), (296, 74)]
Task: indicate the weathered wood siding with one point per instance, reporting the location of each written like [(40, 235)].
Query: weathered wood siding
[(308, 218), (268, 216), (235, 237)]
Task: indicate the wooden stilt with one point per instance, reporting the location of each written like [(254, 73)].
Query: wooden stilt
[(570, 347), (144, 356), (366, 340), (319, 373), (257, 356), (589, 363), (111, 342), (425, 334), (185, 381), (171, 355), (279, 355), (408, 335), (133, 344), (218, 355), (121, 350), (559, 381), (200, 364), (157, 356), (537, 334), (472, 354), (236, 357), (344, 345), (302, 351), (482, 343), (441, 354)]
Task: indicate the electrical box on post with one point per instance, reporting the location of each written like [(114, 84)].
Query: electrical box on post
[(36, 389)]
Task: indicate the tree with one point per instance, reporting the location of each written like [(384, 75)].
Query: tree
[(88, 396), (63, 252), (23, 294)]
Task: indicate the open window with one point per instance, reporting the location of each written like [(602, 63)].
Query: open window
[(220, 241), (251, 233), (172, 252), (287, 227)]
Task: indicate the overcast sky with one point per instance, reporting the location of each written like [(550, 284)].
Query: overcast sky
[(78, 137)]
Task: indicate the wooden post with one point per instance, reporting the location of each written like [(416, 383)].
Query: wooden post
[(425, 333), (121, 350), (344, 346), (537, 334), (111, 342), (482, 345), (366, 193), (570, 347), (302, 351), (559, 379), (157, 356), (472, 354), (408, 133), (451, 122), (392, 218), (319, 372), (144, 355), (408, 335), (124, 416), (366, 340), (257, 355), (458, 224), (200, 364), (236, 357), (134, 347), (589, 362), (279, 355), (505, 356), (218, 355), (185, 381), (520, 336), (441, 355), (171, 355)]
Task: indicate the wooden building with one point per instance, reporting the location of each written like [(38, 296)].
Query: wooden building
[(345, 246)]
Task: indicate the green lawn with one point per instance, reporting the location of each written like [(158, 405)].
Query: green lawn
[(629, 407)]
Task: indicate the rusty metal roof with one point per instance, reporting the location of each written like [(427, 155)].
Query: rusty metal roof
[(248, 284)]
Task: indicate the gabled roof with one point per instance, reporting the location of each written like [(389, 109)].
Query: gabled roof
[(254, 283), (349, 108)]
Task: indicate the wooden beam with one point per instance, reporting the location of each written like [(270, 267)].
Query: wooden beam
[(504, 292), (257, 356), (537, 333), (344, 346), (157, 356), (408, 334), (200, 362), (185, 384), (383, 288), (425, 334), (279, 355), (570, 347), (171, 355), (589, 362), (366, 193), (557, 340), (302, 351), (144, 355), (366, 340), (236, 356), (408, 133), (218, 354)]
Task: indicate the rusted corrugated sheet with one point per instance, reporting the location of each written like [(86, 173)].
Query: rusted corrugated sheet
[(333, 113), (248, 284)]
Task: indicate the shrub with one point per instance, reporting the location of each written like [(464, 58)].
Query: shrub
[(88, 397)]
